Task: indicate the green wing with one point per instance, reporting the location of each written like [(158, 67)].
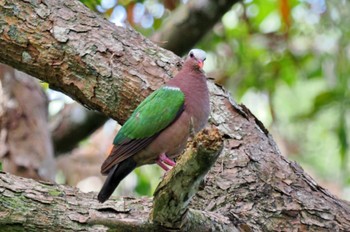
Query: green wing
[(153, 115)]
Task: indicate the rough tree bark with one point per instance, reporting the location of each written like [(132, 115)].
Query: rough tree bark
[(27, 205), (111, 69)]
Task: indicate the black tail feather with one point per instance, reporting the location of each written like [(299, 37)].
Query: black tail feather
[(115, 175)]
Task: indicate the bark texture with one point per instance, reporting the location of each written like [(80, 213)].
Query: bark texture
[(27, 205), (112, 69), (82, 54), (258, 188)]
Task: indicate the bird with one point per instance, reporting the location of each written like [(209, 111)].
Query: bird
[(159, 128)]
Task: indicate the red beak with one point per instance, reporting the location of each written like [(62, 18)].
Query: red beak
[(200, 63)]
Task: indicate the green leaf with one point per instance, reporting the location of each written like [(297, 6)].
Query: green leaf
[(321, 101), (288, 72)]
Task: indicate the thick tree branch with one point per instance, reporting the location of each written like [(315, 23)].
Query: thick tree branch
[(78, 211), (189, 23), (27, 205), (112, 69)]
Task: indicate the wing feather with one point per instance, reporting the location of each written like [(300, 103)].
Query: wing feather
[(152, 116)]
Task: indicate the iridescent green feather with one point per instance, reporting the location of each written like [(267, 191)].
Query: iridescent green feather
[(154, 114)]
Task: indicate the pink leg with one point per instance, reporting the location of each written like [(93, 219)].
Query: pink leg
[(162, 165), (165, 159)]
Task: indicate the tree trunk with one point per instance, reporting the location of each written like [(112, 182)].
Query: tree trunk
[(111, 69)]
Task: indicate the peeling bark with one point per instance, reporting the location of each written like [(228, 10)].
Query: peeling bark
[(112, 69)]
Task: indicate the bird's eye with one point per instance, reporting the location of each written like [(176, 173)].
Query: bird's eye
[(204, 59), (191, 55)]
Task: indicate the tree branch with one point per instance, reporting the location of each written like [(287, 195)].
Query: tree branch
[(73, 124), (189, 23), (82, 54), (79, 211), (31, 206), (258, 188)]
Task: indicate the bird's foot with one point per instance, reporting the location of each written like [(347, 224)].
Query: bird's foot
[(163, 166), (164, 160)]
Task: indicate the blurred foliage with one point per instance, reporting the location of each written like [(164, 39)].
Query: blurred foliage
[(91, 3), (287, 60)]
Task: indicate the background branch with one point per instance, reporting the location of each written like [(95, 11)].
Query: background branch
[(189, 23), (73, 124)]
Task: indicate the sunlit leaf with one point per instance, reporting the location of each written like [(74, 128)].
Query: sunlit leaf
[(288, 72)]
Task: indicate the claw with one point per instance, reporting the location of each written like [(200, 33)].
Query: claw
[(163, 161), (163, 166), (166, 160)]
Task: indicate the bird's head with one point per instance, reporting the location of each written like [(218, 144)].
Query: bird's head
[(196, 58)]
